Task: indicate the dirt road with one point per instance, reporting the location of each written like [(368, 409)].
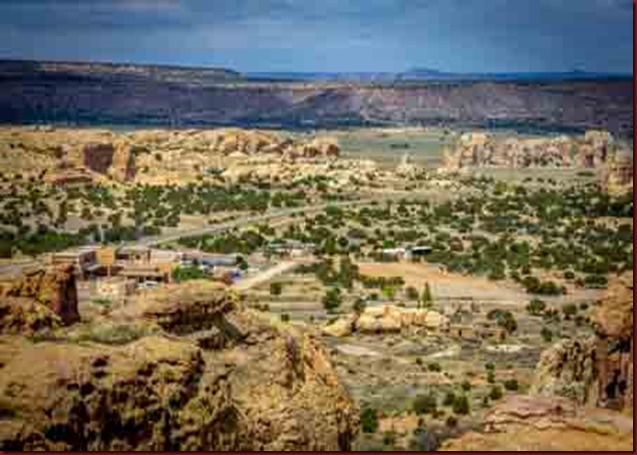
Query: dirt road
[(266, 275)]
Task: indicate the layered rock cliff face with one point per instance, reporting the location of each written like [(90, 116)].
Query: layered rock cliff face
[(594, 150), (54, 288), (36, 92), (596, 371), (155, 156), (210, 377)]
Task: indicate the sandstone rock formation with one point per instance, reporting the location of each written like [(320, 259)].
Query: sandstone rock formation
[(523, 423), (54, 288), (618, 176), (251, 386), (595, 371), (387, 319), (155, 156), (593, 150), (97, 157), (22, 316), (407, 168)]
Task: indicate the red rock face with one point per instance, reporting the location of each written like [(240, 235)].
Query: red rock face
[(98, 157), (55, 288)]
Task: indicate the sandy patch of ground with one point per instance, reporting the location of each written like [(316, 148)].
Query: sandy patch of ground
[(352, 349), (453, 351), (444, 284), (506, 348)]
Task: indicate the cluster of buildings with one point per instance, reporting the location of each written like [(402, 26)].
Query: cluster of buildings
[(118, 270)]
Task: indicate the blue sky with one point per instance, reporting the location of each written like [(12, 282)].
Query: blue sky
[(327, 35)]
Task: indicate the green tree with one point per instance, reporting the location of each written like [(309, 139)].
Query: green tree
[(426, 297), (276, 288), (536, 307), (425, 404), (546, 334), (412, 293), (504, 319), (495, 393), (369, 420), (181, 274), (511, 385), (359, 306), (332, 299), (449, 399), (461, 405), (569, 310)]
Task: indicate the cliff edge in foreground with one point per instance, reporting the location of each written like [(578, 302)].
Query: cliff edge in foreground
[(200, 374)]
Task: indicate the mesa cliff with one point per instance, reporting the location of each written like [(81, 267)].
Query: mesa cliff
[(159, 156), (593, 150), (127, 94)]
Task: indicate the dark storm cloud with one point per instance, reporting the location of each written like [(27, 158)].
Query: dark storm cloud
[(338, 35)]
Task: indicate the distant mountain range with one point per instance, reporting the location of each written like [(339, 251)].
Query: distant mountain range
[(206, 75), (427, 74)]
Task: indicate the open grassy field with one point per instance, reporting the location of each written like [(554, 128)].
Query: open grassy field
[(388, 145)]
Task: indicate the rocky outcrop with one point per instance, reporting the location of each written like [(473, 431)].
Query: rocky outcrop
[(596, 371), (524, 423), (264, 388), (54, 288), (97, 157), (160, 156), (618, 176), (22, 316), (387, 319), (124, 161), (593, 150), (407, 168)]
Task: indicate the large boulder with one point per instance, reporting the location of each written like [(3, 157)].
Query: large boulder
[(386, 319), (259, 387), (342, 327), (54, 288)]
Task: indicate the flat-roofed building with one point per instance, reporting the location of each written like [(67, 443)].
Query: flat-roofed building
[(83, 258), (133, 253), (148, 272)]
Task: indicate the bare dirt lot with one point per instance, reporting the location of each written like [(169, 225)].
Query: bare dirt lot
[(450, 286)]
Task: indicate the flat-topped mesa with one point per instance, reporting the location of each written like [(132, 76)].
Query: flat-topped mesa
[(593, 150), (596, 371), (54, 288)]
